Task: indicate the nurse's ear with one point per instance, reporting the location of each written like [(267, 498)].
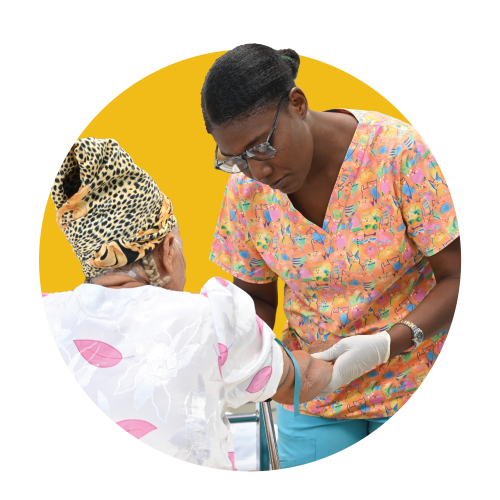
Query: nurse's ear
[(298, 102)]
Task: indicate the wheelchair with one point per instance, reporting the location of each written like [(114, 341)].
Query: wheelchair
[(266, 443)]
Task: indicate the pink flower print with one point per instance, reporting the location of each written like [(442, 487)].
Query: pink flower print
[(385, 186), (440, 345), (247, 190), (44, 295), (342, 265), (260, 323), (222, 281), (385, 237), (408, 383), (375, 398), (418, 294), (383, 300), (370, 249), (421, 149), (304, 274), (258, 274), (274, 215), (423, 240), (137, 428), (355, 222), (230, 454), (408, 252), (222, 357), (229, 246), (260, 380), (340, 240), (417, 176), (98, 353), (217, 245), (357, 311), (336, 287)]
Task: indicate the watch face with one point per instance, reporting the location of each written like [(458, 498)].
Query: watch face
[(419, 336)]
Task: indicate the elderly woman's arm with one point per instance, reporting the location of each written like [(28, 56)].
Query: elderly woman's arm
[(315, 375)]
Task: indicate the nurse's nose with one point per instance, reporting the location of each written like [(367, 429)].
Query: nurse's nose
[(259, 169)]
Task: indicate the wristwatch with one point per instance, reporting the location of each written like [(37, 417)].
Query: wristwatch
[(418, 334)]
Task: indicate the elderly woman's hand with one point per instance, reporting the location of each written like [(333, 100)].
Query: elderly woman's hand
[(354, 356), (320, 346)]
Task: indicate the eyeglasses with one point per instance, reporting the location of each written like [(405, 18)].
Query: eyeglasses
[(261, 152)]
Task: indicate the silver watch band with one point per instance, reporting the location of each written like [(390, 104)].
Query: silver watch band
[(418, 334)]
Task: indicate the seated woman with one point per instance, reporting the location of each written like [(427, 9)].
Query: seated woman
[(163, 364)]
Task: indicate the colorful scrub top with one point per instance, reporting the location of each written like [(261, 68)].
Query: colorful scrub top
[(166, 366), (364, 270)]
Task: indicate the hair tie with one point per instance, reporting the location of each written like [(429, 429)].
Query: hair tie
[(289, 58)]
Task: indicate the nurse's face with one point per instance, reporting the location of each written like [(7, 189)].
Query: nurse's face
[(292, 140)]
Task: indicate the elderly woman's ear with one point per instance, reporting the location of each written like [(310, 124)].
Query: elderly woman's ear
[(172, 259), (166, 252)]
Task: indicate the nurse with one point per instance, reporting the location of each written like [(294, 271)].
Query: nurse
[(351, 210)]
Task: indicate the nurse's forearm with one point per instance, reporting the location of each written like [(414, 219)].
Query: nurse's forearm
[(265, 311), (433, 315), (265, 298)]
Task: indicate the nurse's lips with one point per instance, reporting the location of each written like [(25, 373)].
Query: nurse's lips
[(280, 183)]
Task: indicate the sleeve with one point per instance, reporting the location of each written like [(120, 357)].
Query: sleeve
[(233, 249), (250, 361), (424, 197)]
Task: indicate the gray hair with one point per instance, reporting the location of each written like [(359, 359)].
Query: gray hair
[(150, 268), (149, 265)]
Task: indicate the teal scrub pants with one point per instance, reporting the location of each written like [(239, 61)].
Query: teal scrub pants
[(304, 439)]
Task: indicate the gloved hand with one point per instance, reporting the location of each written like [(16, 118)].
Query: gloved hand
[(354, 356)]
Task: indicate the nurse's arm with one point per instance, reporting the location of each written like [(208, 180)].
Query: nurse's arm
[(435, 313), (315, 375), (265, 298)]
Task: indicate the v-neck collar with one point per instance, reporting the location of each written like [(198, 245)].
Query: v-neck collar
[(346, 176)]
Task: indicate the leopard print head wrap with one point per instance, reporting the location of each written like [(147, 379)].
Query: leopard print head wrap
[(111, 211)]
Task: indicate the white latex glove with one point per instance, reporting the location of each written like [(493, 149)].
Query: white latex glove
[(354, 356)]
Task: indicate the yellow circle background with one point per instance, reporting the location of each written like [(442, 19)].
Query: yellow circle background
[(158, 121)]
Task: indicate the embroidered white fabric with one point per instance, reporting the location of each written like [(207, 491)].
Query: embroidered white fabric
[(166, 366)]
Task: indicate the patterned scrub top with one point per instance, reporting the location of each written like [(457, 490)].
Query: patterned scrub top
[(360, 273)]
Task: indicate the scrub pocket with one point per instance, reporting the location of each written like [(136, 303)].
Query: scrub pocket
[(305, 439), (290, 447)]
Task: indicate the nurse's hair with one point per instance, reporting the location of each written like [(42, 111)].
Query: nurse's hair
[(245, 81)]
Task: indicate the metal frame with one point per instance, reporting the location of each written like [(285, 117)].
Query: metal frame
[(267, 446)]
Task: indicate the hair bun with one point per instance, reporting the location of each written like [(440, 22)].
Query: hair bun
[(292, 59)]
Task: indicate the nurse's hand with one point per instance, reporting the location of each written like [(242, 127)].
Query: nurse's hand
[(354, 356)]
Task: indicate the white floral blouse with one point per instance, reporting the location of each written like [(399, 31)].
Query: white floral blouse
[(166, 366)]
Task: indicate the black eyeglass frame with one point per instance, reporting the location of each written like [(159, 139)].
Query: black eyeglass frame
[(245, 153)]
